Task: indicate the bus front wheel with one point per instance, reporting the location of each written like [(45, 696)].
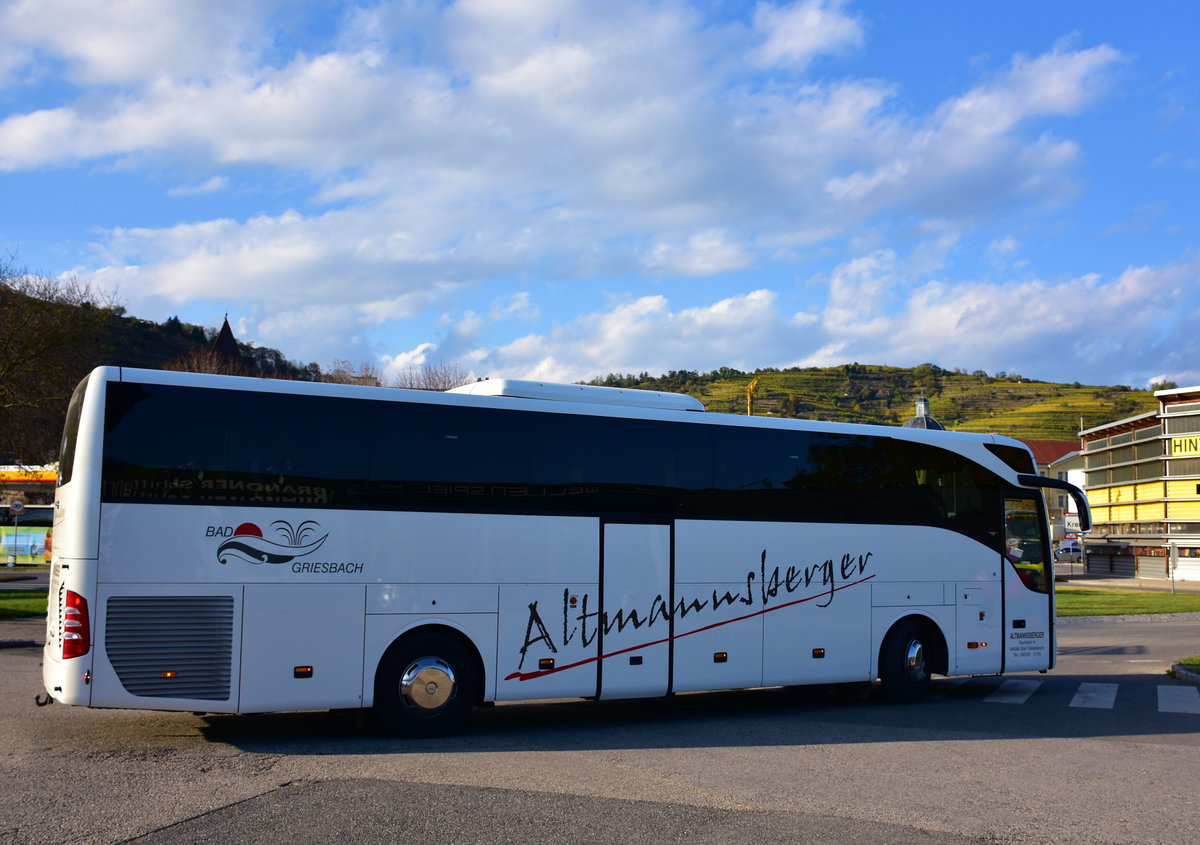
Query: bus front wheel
[(904, 662), (426, 685)]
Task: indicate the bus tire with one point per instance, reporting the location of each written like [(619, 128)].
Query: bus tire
[(426, 685), (904, 662)]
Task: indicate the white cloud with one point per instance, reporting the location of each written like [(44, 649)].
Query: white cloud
[(969, 151), (311, 333), (644, 334), (403, 362), (876, 313), (565, 128), (1039, 328), (440, 148), (22, 137), (212, 185), (135, 40), (1003, 246), (797, 33), (517, 306), (704, 254)]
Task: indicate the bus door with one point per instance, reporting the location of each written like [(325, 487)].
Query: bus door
[(1028, 585), (635, 617)]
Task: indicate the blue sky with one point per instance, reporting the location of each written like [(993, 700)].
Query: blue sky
[(560, 190)]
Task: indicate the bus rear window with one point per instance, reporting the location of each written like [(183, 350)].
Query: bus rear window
[(66, 451)]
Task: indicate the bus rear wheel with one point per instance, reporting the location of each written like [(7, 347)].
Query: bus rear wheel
[(904, 662), (426, 685)]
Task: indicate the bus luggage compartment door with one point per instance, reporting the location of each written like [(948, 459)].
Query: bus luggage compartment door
[(635, 618), (302, 647), (979, 636)]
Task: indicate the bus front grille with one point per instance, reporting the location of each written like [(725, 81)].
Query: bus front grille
[(171, 646)]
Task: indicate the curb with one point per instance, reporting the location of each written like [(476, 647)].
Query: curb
[(1187, 674), (19, 644)]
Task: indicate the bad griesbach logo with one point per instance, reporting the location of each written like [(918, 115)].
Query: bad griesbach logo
[(248, 544)]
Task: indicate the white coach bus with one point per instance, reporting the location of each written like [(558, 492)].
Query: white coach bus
[(241, 545)]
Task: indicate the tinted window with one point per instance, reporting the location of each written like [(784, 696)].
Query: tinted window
[(189, 445), (444, 456), (66, 452), (637, 465), (197, 445), (828, 477), (1017, 458)]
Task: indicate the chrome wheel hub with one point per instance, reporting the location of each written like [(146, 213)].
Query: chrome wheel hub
[(427, 684), (914, 660)]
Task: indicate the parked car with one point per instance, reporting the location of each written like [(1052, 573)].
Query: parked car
[(1068, 551)]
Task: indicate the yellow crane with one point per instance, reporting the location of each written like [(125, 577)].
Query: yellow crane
[(749, 391)]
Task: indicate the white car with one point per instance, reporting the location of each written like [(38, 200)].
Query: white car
[(1068, 552)]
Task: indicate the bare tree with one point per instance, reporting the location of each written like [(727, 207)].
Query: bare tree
[(424, 377), (201, 360), (49, 332), (431, 377), (343, 372)]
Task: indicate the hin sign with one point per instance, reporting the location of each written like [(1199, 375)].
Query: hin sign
[(1184, 447)]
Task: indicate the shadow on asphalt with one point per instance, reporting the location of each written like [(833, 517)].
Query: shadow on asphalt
[(800, 716)]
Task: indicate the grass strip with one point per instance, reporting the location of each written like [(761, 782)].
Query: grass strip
[(17, 603), (1085, 601)]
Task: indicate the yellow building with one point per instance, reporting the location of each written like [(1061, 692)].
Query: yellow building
[(1143, 485)]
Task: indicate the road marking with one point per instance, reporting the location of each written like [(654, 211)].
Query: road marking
[(1172, 699), (1013, 692), (1098, 696)]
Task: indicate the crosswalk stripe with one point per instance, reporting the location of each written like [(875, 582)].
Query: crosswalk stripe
[(1014, 691), (1173, 699), (1096, 695)]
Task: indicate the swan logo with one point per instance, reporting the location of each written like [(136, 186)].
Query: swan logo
[(247, 543)]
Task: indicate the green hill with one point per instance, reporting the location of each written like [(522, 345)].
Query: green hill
[(878, 395)]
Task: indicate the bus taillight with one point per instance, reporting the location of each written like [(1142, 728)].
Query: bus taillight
[(76, 635)]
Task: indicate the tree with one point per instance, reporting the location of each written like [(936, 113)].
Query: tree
[(431, 377), (343, 372), (50, 331), (201, 360)]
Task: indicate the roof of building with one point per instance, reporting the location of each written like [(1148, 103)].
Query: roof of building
[(1120, 426), (1071, 460), (226, 344), (1048, 451)]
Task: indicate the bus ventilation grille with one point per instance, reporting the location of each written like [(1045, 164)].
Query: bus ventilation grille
[(171, 646)]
